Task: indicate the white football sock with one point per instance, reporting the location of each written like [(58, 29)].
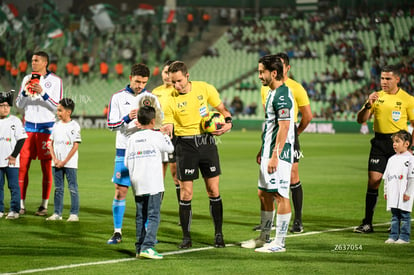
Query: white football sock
[(282, 224)]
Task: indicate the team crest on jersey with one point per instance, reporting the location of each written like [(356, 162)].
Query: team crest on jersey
[(48, 84), (182, 104), (13, 127), (396, 115), (146, 102), (200, 97)]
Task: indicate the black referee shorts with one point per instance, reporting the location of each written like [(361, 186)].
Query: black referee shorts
[(194, 153), (381, 151)]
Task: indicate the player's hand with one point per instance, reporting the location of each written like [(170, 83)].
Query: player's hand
[(406, 197), (259, 156), (272, 165), (12, 160), (226, 127), (167, 129), (133, 114), (373, 97)]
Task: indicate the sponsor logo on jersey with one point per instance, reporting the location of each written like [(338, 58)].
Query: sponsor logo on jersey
[(396, 115), (395, 177), (200, 97), (6, 139), (64, 142), (13, 127), (406, 163)]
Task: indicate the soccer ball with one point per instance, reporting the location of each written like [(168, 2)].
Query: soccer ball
[(212, 122)]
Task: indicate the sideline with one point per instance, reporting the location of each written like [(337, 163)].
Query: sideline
[(177, 252)]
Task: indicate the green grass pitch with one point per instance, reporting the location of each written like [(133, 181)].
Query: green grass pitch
[(333, 172)]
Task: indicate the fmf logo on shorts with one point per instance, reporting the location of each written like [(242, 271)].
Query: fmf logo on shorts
[(374, 161), (189, 171), (213, 169)]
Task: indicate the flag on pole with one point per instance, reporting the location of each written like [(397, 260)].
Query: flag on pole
[(55, 33), (144, 9)]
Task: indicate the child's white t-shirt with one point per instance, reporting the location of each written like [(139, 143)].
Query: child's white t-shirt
[(143, 160), (63, 136), (400, 167), (11, 130)]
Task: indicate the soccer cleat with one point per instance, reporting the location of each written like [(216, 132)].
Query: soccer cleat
[(399, 241), (219, 241), (389, 240), (115, 239), (12, 215), (1, 215), (253, 243), (41, 211), (22, 211), (271, 248), (54, 217), (297, 227), (73, 218), (364, 228), (186, 243), (150, 253)]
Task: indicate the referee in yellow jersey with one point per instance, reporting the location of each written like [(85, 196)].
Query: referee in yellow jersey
[(392, 109), (195, 150)]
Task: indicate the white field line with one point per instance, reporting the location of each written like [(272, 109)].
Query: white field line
[(172, 252)]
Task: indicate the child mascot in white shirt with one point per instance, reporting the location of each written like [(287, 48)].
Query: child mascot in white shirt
[(143, 158)]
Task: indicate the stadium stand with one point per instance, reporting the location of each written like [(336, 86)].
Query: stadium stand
[(307, 38)]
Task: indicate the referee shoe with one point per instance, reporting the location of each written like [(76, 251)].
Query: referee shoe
[(364, 228)]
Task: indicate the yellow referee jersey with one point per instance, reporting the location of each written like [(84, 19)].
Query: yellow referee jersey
[(299, 94), (186, 110), (163, 94), (392, 112)]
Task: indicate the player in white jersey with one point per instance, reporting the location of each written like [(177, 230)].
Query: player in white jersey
[(276, 155), (64, 145), (123, 108), (39, 96), (12, 138)]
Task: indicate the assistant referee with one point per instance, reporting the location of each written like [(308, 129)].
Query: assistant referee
[(392, 109)]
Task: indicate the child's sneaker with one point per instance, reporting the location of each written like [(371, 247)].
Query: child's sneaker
[(389, 240), (54, 217), (12, 215), (399, 241), (73, 218), (150, 253)]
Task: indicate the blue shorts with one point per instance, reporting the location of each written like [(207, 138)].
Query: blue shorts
[(121, 173)]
